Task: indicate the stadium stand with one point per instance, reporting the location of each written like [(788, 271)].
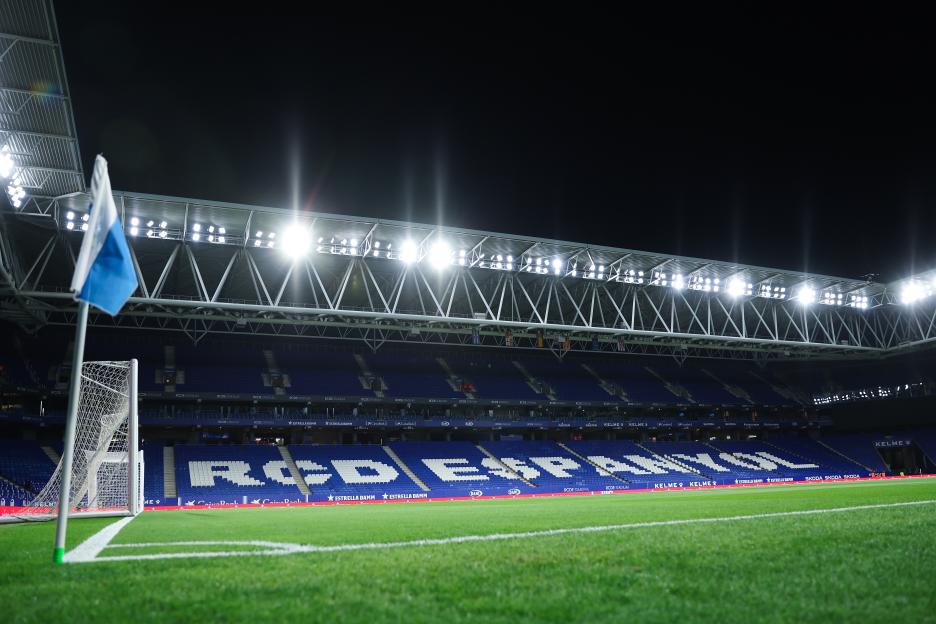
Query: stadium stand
[(458, 469), (643, 469), (233, 474), (859, 447), (25, 464), (337, 472), (237, 474), (812, 450), (243, 366), (153, 473), (551, 467)]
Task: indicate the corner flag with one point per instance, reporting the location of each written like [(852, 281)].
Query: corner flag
[(104, 275)]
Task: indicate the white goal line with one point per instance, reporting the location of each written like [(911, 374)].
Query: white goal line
[(90, 550)]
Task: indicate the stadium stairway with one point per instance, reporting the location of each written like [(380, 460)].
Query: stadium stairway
[(406, 469), (588, 461), (506, 467), (662, 452), (52, 453), (169, 471), (611, 388), (732, 389), (673, 387), (456, 382), (538, 386), (846, 457), (294, 470), (370, 381)]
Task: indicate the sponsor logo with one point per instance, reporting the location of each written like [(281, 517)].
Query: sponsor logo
[(475, 493), (513, 491)]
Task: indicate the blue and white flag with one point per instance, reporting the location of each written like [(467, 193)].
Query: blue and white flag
[(104, 275)]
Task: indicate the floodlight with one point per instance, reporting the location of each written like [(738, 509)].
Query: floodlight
[(735, 287), (6, 162), (196, 237), (162, 233), (150, 223), (354, 242), (197, 227), (408, 252), (211, 238), (440, 255), (211, 229), (270, 244), (259, 233), (296, 241), (678, 282), (256, 243), (557, 264), (221, 240), (134, 231), (163, 225), (272, 235), (806, 295), (70, 225), (134, 221), (85, 217), (377, 245), (222, 231), (911, 293), (84, 227)]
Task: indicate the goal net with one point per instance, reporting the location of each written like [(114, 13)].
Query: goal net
[(107, 466)]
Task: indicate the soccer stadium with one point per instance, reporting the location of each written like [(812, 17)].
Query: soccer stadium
[(307, 414)]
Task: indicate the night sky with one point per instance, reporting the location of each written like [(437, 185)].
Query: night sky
[(773, 142)]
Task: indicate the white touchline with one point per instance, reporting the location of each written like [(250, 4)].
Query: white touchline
[(86, 553)]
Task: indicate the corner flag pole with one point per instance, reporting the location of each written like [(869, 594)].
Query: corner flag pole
[(105, 278), (74, 396)]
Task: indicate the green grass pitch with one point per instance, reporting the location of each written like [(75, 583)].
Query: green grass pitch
[(870, 565)]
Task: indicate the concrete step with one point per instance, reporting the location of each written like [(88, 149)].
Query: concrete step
[(505, 466), (52, 454), (675, 461), (169, 482), (406, 469), (601, 470), (294, 470)]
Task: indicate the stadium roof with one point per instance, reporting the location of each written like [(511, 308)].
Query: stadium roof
[(207, 266), (37, 127)]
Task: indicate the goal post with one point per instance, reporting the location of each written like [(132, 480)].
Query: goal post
[(106, 473)]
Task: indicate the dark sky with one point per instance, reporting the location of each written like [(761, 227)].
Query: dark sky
[(794, 144)]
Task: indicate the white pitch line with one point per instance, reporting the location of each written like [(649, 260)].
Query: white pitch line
[(282, 548), (89, 549)]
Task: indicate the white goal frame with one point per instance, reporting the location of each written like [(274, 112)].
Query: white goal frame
[(44, 505)]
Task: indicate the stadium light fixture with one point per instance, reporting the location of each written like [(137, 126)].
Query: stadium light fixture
[(408, 252), (913, 291), (296, 241), (806, 295), (134, 231), (6, 162), (440, 255)]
